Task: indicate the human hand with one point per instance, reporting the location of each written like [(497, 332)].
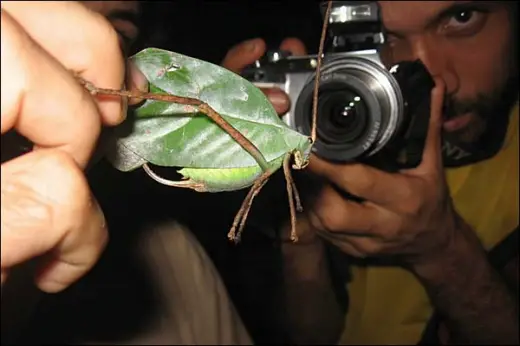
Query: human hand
[(246, 53), (408, 214), (47, 207)]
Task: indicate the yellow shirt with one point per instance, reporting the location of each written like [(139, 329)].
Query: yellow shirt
[(387, 304)]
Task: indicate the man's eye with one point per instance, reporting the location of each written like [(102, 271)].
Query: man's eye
[(463, 19)]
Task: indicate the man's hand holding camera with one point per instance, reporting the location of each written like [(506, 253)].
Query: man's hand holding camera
[(408, 214)]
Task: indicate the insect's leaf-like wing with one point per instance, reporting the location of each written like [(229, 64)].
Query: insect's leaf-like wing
[(169, 134)]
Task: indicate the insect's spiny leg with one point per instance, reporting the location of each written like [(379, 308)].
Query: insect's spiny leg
[(246, 204), (199, 187), (290, 189), (232, 234), (248, 209), (297, 199)]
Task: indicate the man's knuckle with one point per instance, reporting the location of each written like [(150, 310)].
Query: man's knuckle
[(370, 248), (391, 230), (331, 223), (22, 205), (365, 182), (412, 204), (71, 184)]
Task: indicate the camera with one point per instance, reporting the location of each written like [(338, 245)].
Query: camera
[(366, 112)]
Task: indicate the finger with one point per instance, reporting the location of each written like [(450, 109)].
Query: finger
[(356, 246), (366, 182), (333, 213), (244, 54), (47, 208), (341, 243), (432, 155), (280, 100), (136, 81), (41, 99), (293, 45), (81, 40)]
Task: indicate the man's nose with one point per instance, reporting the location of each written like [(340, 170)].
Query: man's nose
[(435, 59)]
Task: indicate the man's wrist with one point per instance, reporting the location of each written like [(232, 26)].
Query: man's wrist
[(462, 251), (472, 298)]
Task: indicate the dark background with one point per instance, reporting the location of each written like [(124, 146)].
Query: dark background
[(207, 29), (116, 297)]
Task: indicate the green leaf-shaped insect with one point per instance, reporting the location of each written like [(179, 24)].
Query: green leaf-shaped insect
[(215, 124)]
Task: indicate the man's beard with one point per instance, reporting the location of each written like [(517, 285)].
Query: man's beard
[(485, 136)]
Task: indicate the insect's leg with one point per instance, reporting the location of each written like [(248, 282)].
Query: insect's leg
[(297, 199), (246, 204), (203, 107), (232, 234), (292, 194), (189, 184), (247, 209)]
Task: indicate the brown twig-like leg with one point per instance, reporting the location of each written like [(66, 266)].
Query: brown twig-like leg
[(189, 184), (292, 194), (247, 210), (297, 199), (203, 107), (246, 205)]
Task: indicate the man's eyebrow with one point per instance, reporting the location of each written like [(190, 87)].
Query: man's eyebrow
[(124, 15)]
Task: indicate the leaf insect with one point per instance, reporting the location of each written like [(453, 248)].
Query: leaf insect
[(255, 178)]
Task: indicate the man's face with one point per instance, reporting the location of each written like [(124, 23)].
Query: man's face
[(469, 44), (123, 15)]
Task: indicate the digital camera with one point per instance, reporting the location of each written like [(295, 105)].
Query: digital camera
[(366, 112)]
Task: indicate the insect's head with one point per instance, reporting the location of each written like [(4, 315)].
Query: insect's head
[(300, 160), (301, 155)]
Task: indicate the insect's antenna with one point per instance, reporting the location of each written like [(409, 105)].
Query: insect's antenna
[(318, 68)]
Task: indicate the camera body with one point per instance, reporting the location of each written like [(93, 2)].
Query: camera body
[(366, 112)]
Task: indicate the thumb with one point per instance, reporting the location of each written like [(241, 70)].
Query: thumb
[(135, 81), (243, 54)]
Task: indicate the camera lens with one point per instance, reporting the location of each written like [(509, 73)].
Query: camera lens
[(342, 116), (360, 109), (348, 119)]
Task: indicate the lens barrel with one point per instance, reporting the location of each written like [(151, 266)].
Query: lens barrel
[(360, 109)]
